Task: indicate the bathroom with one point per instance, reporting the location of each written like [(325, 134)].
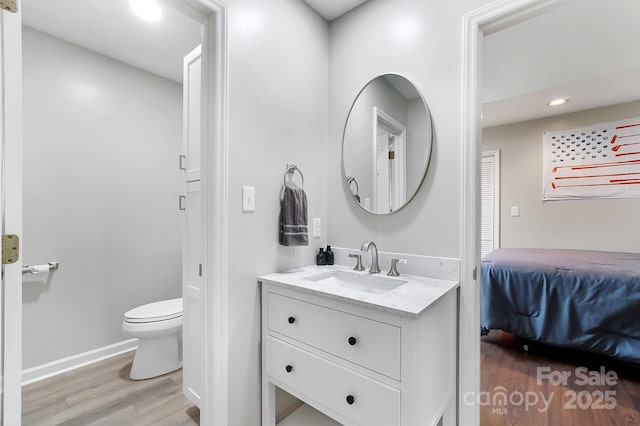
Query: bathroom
[(103, 133), (289, 79)]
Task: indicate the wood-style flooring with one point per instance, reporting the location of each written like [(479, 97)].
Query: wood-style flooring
[(507, 368), (103, 394)]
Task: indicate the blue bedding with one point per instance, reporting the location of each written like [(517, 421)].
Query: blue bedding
[(573, 298)]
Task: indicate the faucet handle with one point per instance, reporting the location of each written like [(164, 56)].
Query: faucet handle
[(358, 258), (393, 271)]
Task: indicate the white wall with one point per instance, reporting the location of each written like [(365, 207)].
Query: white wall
[(283, 61), (421, 40), (605, 224), (101, 141), (278, 114)]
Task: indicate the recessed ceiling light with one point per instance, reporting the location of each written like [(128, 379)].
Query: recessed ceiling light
[(147, 10), (559, 101)]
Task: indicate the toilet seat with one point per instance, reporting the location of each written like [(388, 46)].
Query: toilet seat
[(154, 312)]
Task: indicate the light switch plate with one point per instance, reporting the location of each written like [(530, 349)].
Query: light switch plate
[(316, 227), (515, 211), (248, 199)]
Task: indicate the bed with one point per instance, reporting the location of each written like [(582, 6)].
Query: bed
[(581, 299)]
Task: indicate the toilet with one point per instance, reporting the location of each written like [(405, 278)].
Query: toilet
[(158, 326)]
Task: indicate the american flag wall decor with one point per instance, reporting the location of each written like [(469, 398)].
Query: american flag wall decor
[(598, 161)]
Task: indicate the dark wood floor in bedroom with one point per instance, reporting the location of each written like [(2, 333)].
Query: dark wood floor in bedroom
[(506, 364), (102, 394)]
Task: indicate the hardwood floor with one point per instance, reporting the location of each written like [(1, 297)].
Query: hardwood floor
[(103, 394), (535, 376)]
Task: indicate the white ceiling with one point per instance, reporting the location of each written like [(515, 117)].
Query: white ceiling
[(110, 28), (583, 50), (331, 9), (586, 51)]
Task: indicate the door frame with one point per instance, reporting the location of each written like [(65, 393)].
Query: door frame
[(398, 175), (476, 24), (214, 196), (213, 14), (11, 130)]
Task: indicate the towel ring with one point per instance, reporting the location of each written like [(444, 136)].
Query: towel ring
[(350, 180), (291, 169)]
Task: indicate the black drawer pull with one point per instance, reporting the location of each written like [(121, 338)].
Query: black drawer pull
[(350, 399), (291, 320), (289, 368), (352, 341)]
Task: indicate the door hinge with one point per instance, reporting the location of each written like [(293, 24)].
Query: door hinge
[(9, 5), (475, 273), (182, 202), (182, 162), (10, 248), (200, 269), (392, 155)]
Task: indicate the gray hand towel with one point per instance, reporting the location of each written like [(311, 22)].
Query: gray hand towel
[(293, 218)]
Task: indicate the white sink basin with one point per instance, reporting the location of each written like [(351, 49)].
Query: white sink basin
[(373, 284)]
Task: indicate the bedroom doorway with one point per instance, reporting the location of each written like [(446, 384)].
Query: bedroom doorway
[(479, 25), (476, 25)]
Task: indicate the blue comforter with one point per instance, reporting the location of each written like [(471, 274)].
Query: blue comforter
[(574, 298)]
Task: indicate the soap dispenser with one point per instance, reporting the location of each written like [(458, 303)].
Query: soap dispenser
[(329, 255), (321, 257)]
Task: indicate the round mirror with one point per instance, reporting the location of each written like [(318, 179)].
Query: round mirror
[(386, 144)]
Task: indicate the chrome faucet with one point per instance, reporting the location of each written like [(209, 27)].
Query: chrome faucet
[(375, 268)]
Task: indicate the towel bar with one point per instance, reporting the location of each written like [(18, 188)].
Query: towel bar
[(291, 169), (350, 180)]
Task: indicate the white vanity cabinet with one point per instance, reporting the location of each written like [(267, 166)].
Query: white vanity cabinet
[(357, 363)]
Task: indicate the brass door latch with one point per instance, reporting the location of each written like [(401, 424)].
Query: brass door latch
[(10, 248)]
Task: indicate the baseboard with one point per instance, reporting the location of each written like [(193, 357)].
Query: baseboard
[(44, 371)]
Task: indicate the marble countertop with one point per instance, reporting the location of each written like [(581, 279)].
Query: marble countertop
[(411, 298)]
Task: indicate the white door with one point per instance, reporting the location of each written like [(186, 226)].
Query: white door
[(193, 337), (11, 206), (193, 334), (192, 76)]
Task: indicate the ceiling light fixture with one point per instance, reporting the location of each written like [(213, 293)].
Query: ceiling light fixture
[(559, 101), (147, 10)]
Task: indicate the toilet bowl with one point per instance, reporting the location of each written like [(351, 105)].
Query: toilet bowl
[(158, 326)]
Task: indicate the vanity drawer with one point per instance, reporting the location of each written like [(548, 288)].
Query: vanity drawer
[(354, 396), (371, 344)]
